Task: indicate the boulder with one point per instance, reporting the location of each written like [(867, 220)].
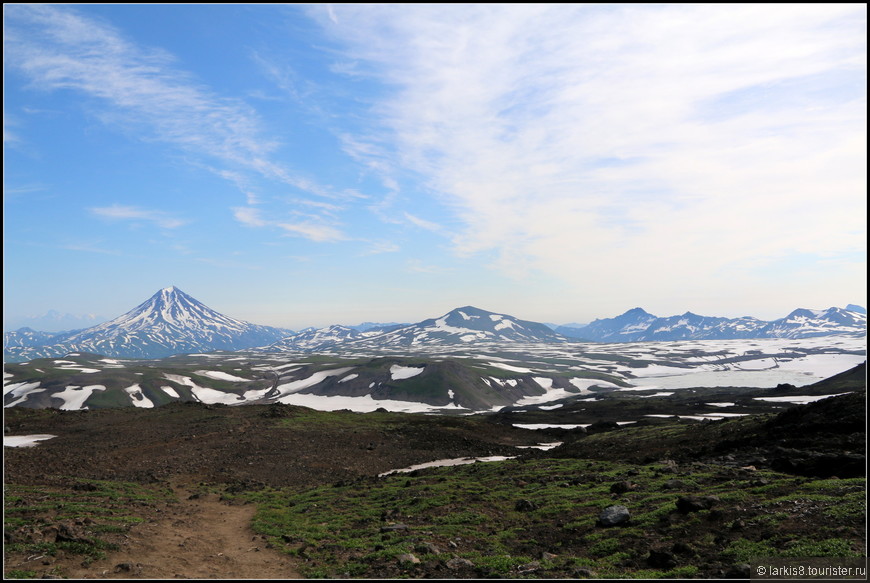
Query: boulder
[(622, 487), (458, 563), (407, 558), (525, 506), (614, 516)]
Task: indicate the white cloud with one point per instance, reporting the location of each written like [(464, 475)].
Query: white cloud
[(311, 227), (121, 212), (90, 247), (379, 247), (671, 144), (249, 216), (143, 90), (424, 224), (316, 232)]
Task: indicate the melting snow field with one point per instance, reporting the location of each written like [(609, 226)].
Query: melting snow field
[(74, 397), (138, 397), (221, 376), (797, 399), (25, 440), (364, 404), (449, 462), (404, 372), (798, 372)]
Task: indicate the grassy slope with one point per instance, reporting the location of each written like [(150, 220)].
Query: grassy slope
[(470, 512)]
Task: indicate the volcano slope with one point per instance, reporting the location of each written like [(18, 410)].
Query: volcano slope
[(208, 491)]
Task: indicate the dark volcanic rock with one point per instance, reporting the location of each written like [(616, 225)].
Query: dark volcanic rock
[(661, 560), (525, 506), (622, 487), (687, 504), (600, 426), (614, 516)]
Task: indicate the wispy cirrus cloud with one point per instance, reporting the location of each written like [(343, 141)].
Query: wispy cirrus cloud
[(423, 223), (582, 139), (131, 213), (379, 247), (146, 91), (90, 247), (311, 227)]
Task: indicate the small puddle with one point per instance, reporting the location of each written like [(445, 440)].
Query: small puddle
[(25, 440)]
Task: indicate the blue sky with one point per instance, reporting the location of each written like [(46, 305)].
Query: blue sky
[(298, 165)]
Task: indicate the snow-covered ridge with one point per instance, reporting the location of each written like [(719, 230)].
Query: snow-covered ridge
[(636, 325)]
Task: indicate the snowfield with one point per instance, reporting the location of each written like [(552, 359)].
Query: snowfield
[(404, 372), (25, 440), (74, 397), (221, 376)]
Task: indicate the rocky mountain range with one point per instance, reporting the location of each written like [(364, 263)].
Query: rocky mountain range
[(172, 322)]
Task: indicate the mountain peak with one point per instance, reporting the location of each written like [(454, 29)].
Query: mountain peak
[(169, 322), (637, 312)]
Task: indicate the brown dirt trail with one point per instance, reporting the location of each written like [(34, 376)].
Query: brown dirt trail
[(200, 537)]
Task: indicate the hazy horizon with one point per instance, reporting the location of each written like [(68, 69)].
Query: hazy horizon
[(88, 320), (307, 165)]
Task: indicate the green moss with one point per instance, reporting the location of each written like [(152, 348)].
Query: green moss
[(20, 574), (832, 547), (743, 550)]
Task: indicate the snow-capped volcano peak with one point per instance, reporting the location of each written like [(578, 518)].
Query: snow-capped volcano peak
[(169, 322), (171, 310)]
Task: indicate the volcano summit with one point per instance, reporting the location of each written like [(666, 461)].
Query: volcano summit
[(169, 322)]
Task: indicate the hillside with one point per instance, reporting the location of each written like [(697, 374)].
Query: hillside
[(99, 499)]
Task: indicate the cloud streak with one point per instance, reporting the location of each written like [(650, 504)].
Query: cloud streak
[(131, 213), (625, 142), (144, 91)]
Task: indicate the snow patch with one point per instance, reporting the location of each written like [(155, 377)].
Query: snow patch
[(20, 391), (364, 404), (205, 394), (448, 462), (138, 397), (404, 372), (25, 440), (220, 376), (74, 397), (799, 399), (170, 391), (509, 367), (296, 386)]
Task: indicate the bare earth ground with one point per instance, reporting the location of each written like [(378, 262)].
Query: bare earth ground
[(200, 537)]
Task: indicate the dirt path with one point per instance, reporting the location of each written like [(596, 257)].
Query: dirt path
[(199, 538)]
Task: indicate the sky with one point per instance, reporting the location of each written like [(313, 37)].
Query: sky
[(313, 164)]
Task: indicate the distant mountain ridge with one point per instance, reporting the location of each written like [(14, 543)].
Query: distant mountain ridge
[(459, 326), (169, 322), (637, 325), (54, 322), (172, 322)]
